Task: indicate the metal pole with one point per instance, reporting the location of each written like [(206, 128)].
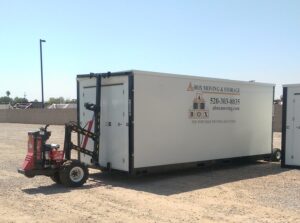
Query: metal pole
[(42, 82)]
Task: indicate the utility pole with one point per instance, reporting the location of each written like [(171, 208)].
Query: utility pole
[(42, 81)]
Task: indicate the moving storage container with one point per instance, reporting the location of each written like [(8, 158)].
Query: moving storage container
[(151, 121), (291, 126)]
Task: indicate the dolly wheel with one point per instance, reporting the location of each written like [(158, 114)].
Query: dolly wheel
[(73, 173), (56, 178), (29, 175), (276, 156)]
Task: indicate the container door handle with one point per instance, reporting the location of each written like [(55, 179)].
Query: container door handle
[(298, 127), (119, 124), (108, 123)]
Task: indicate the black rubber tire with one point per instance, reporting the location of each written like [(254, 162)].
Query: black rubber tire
[(29, 175), (69, 168), (56, 178), (276, 156)]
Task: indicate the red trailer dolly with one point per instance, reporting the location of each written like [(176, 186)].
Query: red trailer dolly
[(46, 159)]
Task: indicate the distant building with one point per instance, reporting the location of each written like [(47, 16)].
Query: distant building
[(62, 106), (5, 106), (28, 105)]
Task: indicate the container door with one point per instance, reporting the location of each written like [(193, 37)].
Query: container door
[(114, 127), (87, 120), (296, 141)]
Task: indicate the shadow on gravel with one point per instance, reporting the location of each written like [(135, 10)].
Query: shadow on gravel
[(188, 180), (47, 190), (58, 189), (170, 183)]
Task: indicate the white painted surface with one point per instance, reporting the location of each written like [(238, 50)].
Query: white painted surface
[(114, 127), (165, 134), (292, 150), (164, 131)]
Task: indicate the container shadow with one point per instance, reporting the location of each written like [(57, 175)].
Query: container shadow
[(187, 180), (47, 190), (58, 188), (170, 183)]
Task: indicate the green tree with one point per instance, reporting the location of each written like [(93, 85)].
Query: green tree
[(19, 100), (59, 100), (5, 100), (70, 101), (7, 93)]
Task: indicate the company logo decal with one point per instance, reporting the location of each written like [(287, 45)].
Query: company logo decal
[(190, 87), (213, 89), (209, 100), (199, 110)]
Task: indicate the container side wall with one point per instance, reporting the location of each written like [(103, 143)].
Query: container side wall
[(180, 120)]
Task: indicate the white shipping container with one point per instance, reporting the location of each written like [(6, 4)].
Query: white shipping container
[(291, 126), (149, 120)]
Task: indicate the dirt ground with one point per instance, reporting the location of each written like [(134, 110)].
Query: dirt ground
[(259, 192)]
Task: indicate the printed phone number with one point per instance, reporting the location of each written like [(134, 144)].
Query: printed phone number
[(224, 101)]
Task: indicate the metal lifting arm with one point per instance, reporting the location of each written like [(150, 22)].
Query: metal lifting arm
[(68, 145)]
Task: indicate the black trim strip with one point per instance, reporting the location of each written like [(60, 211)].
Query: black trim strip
[(97, 120), (297, 94), (283, 131), (108, 74), (191, 165), (273, 114), (292, 166), (108, 85), (89, 87), (78, 118), (131, 121)]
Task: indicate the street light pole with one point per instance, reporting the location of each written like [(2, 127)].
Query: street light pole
[(42, 82)]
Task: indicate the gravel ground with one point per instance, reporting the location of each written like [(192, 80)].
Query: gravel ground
[(259, 192)]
